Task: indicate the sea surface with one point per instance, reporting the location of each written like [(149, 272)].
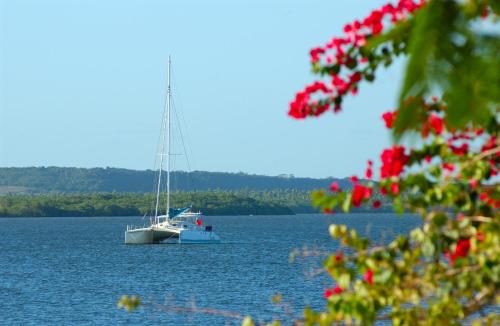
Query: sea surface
[(73, 270)]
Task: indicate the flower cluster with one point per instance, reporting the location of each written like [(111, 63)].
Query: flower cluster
[(329, 292), (461, 250), (360, 193), (393, 161), (347, 52), (449, 177), (468, 157)]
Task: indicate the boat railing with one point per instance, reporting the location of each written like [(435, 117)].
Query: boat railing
[(134, 227)]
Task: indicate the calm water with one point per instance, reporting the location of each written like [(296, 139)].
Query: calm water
[(63, 271)]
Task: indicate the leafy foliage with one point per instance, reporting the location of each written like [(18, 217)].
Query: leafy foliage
[(129, 303), (449, 56), (217, 202), (131, 204), (447, 271)]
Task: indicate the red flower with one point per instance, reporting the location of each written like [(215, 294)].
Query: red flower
[(480, 236), (369, 170), (377, 204), (389, 118), (359, 193), (463, 246), (343, 50), (479, 132), (334, 187), (461, 150), (355, 77), (339, 256), (339, 84), (328, 211), (428, 158), (377, 28), (315, 53), (354, 179), (329, 292), (484, 12), (300, 106), (393, 161), (461, 250), (395, 188), (368, 277), (435, 123), (490, 144), (448, 166)]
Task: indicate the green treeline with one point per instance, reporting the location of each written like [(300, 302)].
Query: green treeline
[(133, 204), (218, 202)]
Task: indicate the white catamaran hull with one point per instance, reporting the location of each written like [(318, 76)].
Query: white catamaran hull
[(152, 235), (139, 236), (188, 236)]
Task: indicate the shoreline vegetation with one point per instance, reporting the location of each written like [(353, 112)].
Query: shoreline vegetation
[(217, 202), (60, 192)]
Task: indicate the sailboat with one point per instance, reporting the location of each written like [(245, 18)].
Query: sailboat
[(177, 225)]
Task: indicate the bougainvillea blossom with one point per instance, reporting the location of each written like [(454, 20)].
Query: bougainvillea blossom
[(449, 177), (389, 118), (345, 52), (436, 123), (461, 250), (360, 193), (329, 292), (368, 277), (334, 187), (393, 161)]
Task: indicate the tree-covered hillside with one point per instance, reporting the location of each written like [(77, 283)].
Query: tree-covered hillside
[(128, 204), (71, 180), (213, 202)]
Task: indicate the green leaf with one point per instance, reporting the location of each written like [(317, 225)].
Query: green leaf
[(398, 206), (344, 280), (346, 206), (247, 321), (428, 248), (423, 43), (383, 276)]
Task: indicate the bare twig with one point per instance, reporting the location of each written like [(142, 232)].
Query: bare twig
[(487, 153)]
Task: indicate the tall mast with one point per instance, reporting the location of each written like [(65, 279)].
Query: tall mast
[(169, 96), (165, 126)]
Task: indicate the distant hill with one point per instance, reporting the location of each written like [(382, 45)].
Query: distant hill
[(37, 180)]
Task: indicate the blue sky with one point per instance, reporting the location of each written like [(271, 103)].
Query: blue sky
[(82, 83)]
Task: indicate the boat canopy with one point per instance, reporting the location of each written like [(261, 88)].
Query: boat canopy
[(173, 212)]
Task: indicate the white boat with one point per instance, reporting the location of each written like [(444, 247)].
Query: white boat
[(180, 225)]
